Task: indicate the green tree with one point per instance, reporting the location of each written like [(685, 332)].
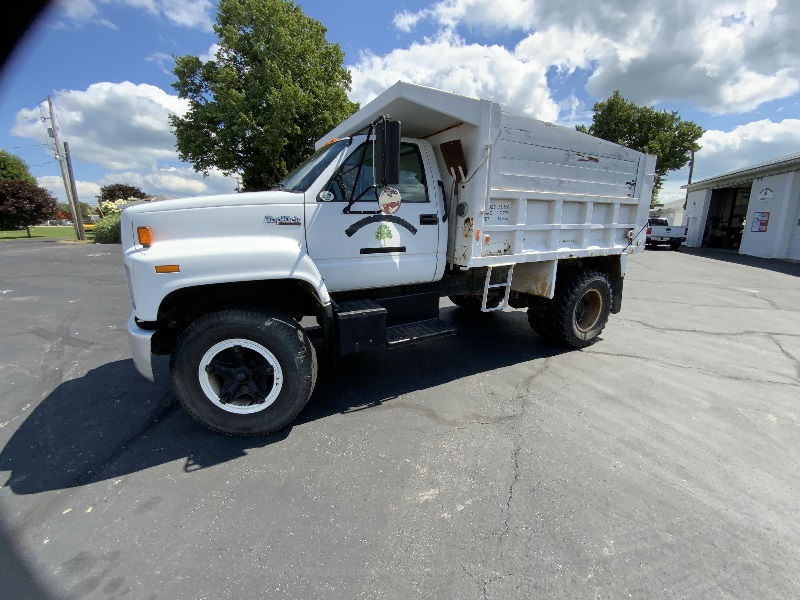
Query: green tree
[(23, 204), (119, 191), (648, 130), (383, 233), (13, 167), (275, 86)]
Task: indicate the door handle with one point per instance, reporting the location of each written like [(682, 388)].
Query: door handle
[(428, 219)]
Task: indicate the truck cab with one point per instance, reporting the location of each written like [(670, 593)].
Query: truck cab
[(420, 195), (353, 244)]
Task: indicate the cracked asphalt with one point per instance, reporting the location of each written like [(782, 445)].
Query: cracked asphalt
[(661, 462)]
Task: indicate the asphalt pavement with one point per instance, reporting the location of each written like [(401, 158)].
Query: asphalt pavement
[(661, 462)]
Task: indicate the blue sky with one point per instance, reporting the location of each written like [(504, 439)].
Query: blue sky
[(731, 66)]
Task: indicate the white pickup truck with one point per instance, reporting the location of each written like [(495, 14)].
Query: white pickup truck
[(660, 232), (474, 203)]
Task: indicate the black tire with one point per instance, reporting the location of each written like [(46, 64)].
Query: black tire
[(471, 303), (675, 246), (280, 335), (578, 312)]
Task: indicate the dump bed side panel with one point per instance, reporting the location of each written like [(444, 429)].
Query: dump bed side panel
[(552, 192)]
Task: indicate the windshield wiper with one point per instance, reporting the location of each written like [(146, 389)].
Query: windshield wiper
[(278, 186)]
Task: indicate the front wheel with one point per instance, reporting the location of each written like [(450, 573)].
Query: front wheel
[(244, 372), (578, 312)]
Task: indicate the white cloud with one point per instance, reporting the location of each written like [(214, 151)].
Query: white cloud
[(87, 190), (745, 145), (115, 125), (164, 61), (573, 112), (491, 16), (124, 128), (728, 56), (406, 21), (193, 14), (78, 12), (174, 181), (210, 54), (447, 62), (168, 182)]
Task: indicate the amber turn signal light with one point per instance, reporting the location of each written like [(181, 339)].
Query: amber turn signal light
[(145, 235), (168, 268)]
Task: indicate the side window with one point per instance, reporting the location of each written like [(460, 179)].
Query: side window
[(412, 175)]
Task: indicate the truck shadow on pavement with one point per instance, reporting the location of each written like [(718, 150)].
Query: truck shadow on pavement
[(111, 422)]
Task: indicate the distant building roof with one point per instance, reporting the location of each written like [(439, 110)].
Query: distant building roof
[(747, 174)]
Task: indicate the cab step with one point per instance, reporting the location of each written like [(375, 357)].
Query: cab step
[(417, 331)]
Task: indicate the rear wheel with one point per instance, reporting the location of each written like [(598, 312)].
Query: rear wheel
[(244, 372), (578, 312), (472, 302), (675, 246)]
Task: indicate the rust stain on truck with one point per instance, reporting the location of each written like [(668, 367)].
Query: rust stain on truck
[(505, 249), (582, 157), (466, 230)]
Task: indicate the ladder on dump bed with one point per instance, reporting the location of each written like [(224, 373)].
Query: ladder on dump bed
[(488, 285)]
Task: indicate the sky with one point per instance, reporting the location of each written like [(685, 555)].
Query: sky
[(732, 66)]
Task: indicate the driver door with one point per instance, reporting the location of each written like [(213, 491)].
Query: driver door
[(359, 247)]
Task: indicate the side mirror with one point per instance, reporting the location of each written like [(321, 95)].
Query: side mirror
[(386, 153)]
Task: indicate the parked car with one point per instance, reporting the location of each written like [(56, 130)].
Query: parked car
[(660, 232)]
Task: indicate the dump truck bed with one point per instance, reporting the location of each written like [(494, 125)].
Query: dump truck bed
[(531, 191)]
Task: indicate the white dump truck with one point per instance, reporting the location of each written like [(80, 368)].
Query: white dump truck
[(421, 194)]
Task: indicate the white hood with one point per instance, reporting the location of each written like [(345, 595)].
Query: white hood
[(246, 199)]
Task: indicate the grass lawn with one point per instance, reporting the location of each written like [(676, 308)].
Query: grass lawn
[(60, 233)]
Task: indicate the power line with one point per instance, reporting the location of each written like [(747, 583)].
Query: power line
[(29, 146)]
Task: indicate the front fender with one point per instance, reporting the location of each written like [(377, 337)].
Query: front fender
[(204, 261)]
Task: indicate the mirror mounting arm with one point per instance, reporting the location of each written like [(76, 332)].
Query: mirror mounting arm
[(346, 210)]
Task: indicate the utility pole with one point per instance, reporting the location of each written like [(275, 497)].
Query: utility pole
[(688, 183), (74, 189), (74, 209)]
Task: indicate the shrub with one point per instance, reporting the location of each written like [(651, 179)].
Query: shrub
[(107, 230), (114, 207)]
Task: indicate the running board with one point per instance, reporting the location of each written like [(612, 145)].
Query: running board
[(417, 331)]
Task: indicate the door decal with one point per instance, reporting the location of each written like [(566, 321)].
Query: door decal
[(350, 231)]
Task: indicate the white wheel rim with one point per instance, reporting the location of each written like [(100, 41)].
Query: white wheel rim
[(212, 384)]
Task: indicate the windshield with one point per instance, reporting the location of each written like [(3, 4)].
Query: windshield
[(658, 222), (303, 176)]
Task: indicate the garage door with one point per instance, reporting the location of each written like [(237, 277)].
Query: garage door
[(794, 240)]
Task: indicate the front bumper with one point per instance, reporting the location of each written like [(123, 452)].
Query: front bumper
[(140, 340)]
